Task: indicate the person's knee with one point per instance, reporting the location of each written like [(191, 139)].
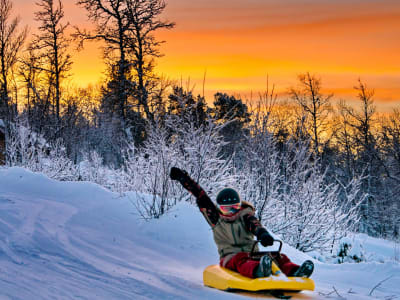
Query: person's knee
[(241, 258), (283, 259)]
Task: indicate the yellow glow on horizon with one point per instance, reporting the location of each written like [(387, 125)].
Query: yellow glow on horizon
[(237, 45), (88, 67)]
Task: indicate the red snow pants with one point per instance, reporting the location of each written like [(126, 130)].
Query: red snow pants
[(246, 266)]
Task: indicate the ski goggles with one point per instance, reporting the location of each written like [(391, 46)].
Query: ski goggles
[(229, 209)]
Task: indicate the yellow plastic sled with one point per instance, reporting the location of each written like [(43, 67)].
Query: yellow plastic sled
[(225, 279), (221, 278)]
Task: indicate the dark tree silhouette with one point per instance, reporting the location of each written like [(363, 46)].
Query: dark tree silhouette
[(127, 27), (11, 41), (52, 45), (188, 108), (314, 104), (236, 115)]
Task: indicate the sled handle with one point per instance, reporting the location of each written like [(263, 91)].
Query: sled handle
[(257, 241)]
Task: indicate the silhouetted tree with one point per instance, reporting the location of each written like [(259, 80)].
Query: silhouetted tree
[(367, 155), (52, 45), (127, 27), (315, 105), (144, 47), (38, 93), (187, 108), (11, 41), (344, 141), (228, 109)]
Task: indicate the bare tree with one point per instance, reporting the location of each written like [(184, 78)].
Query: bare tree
[(314, 104), (391, 145), (112, 27), (142, 15), (344, 138), (127, 27), (37, 92), (52, 43), (368, 160), (11, 41), (364, 120)]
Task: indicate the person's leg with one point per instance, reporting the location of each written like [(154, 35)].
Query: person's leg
[(286, 266), (243, 264), (305, 270)]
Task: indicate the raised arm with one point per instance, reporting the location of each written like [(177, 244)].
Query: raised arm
[(206, 206)]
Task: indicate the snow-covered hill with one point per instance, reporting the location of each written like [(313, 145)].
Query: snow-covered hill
[(76, 240)]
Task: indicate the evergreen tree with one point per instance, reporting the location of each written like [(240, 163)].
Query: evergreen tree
[(235, 115), (187, 108)]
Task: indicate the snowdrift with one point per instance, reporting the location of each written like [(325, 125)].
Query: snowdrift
[(77, 240)]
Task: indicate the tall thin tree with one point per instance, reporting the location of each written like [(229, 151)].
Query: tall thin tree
[(144, 22), (314, 104), (11, 41), (127, 27), (367, 154), (52, 43)]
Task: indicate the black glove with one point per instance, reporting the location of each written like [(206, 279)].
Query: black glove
[(177, 174), (266, 239)]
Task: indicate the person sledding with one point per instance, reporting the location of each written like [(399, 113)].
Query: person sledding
[(234, 227)]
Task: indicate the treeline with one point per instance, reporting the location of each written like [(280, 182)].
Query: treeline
[(313, 170)]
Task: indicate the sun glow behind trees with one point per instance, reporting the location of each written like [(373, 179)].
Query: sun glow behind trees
[(238, 43)]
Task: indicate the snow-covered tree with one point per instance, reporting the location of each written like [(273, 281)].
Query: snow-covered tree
[(289, 190), (148, 172), (26, 148), (178, 141)]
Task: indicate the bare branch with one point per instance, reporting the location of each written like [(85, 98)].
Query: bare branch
[(379, 284)]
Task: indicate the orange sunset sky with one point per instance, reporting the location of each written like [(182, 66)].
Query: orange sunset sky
[(239, 42)]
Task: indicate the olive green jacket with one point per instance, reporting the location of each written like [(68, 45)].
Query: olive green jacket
[(232, 235)]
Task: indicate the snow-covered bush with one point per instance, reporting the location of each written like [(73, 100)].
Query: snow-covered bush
[(349, 250), (291, 194), (196, 149), (92, 169), (55, 163), (148, 172), (199, 151), (261, 179), (306, 210), (26, 148)]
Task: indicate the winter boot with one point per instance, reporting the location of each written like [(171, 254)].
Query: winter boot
[(305, 270), (264, 268)]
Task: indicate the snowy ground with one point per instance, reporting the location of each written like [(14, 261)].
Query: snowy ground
[(76, 240)]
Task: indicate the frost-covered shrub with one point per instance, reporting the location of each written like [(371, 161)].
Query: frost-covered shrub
[(92, 169), (349, 250), (199, 152), (148, 172), (25, 148), (306, 210), (196, 149), (292, 197), (55, 163)]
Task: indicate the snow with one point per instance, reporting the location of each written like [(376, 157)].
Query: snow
[(77, 240)]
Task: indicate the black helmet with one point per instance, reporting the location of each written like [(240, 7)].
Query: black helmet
[(228, 196)]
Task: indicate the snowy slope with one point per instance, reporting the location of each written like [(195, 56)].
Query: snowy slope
[(76, 240)]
